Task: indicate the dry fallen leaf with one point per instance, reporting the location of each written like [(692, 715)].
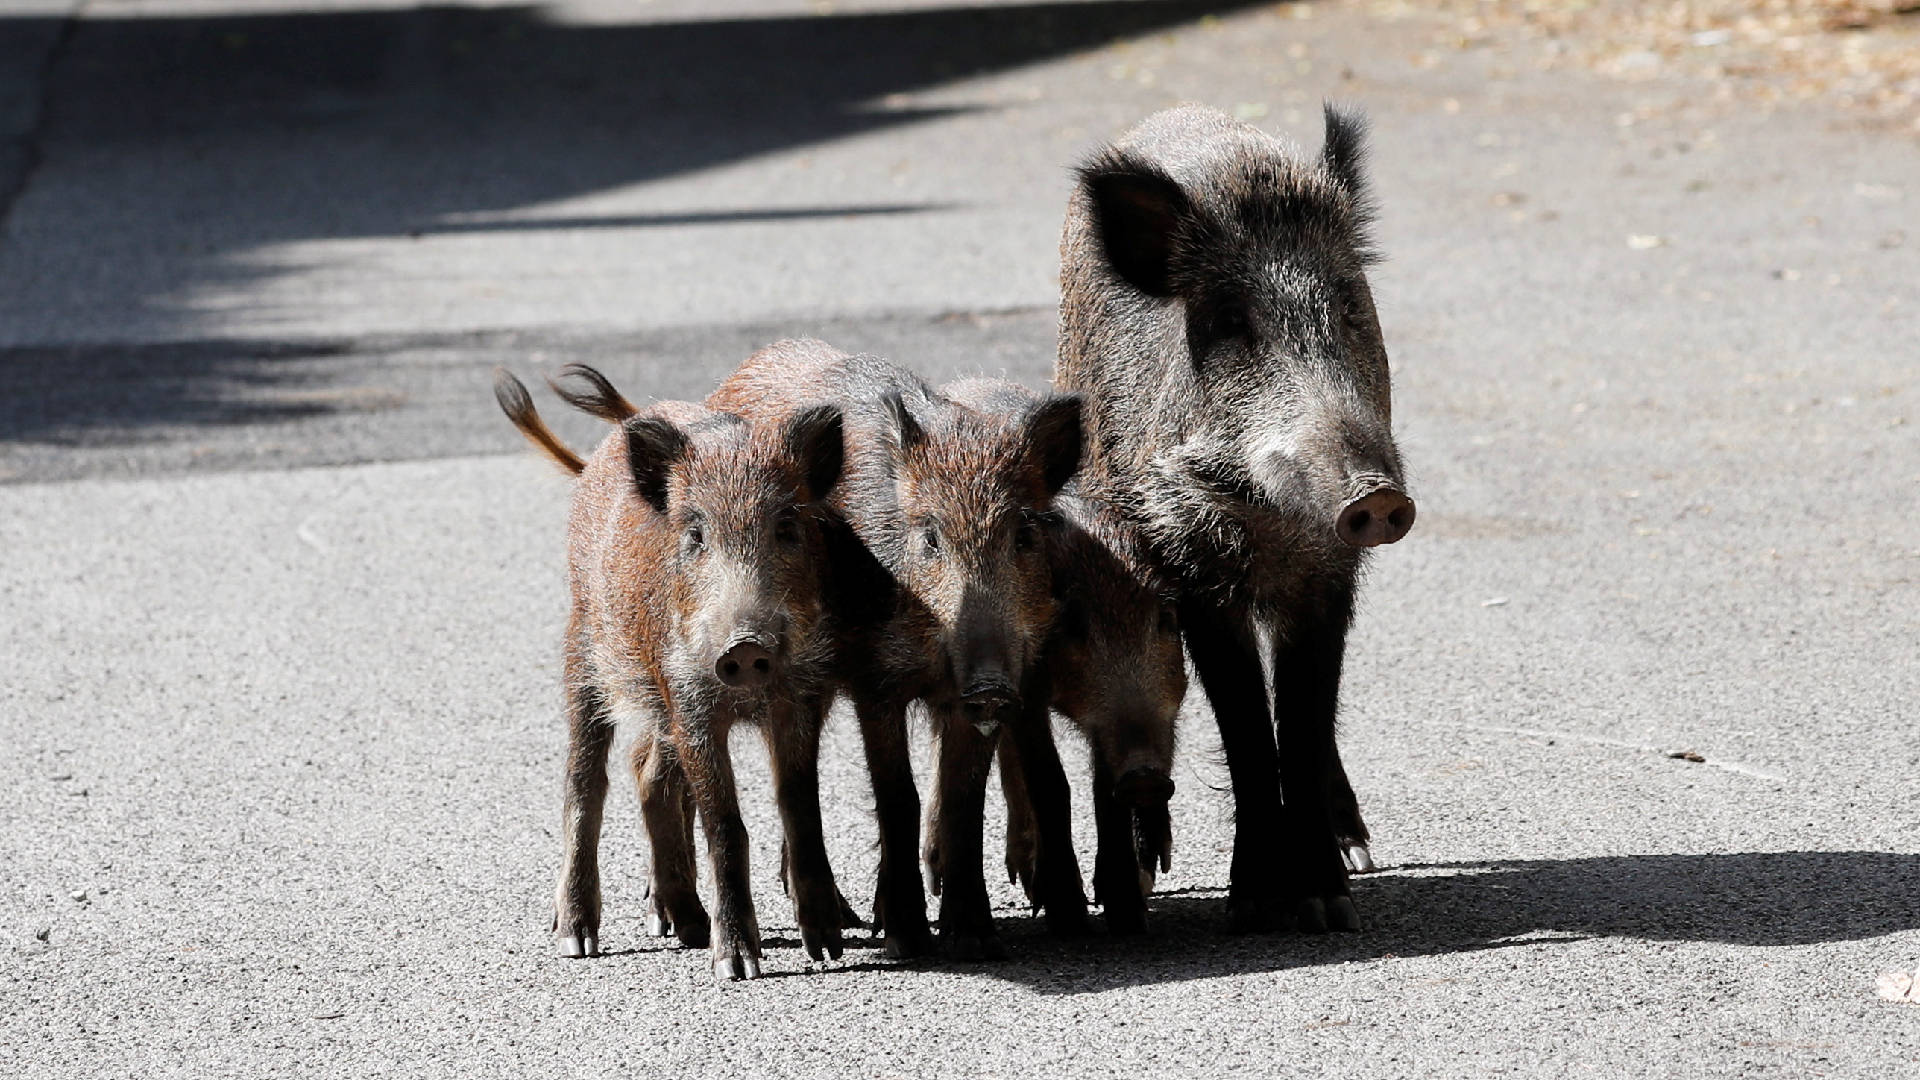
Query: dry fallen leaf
[(1902, 986)]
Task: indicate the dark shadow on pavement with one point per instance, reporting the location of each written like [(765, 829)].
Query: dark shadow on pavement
[(1754, 899), (248, 130), (147, 409), (658, 221)]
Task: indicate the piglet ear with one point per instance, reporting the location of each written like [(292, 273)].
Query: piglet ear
[(907, 432), (1137, 208), (814, 439), (653, 445), (1053, 432)]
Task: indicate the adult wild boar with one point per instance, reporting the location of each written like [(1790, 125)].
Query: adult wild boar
[(1216, 317)]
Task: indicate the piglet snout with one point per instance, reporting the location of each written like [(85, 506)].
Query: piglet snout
[(1143, 786), (747, 663), (984, 698)]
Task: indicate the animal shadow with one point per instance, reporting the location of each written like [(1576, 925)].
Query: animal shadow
[(1747, 898)]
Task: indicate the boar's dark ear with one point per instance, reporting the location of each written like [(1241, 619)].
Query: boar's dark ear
[(1053, 431), (1344, 153), (1136, 208), (907, 432), (653, 445), (814, 440)]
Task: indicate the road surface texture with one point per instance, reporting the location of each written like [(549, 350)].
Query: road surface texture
[(1632, 711)]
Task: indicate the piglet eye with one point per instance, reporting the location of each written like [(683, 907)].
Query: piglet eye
[(1169, 622), (787, 529)]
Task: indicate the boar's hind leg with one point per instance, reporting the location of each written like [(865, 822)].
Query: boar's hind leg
[(1057, 885), (966, 917), (1022, 842), (1348, 828), (1225, 655), (794, 740), (576, 900), (666, 805), (709, 769), (1306, 687), (899, 901)]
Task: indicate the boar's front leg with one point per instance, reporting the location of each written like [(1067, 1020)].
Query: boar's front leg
[(1057, 886), (1347, 825), (1117, 875), (899, 901), (576, 899), (1225, 654), (666, 805), (966, 916), (708, 765), (793, 736), (1307, 654)]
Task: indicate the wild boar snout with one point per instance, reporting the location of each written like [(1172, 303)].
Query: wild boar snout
[(747, 662), (1336, 466), (1380, 516), (742, 626), (1144, 786), (985, 671)]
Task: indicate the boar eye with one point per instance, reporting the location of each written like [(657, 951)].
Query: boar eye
[(1027, 537), (695, 537), (930, 539), (1230, 321), (786, 528), (1169, 622)]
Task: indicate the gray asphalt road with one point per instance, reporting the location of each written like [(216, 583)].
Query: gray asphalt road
[(280, 595)]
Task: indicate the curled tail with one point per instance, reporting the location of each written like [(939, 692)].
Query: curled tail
[(599, 399), (518, 405)]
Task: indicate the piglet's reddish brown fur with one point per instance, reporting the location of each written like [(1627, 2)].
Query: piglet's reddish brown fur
[(696, 564), (946, 600), (1116, 669)]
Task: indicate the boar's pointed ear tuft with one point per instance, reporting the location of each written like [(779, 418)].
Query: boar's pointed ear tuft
[(814, 439), (653, 445), (1137, 208), (1053, 430), (1344, 154), (907, 432)]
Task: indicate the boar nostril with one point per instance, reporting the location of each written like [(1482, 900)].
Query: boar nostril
[(1381, 516), (745, 664), (1144, 787)]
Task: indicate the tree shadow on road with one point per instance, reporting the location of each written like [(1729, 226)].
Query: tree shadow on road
[(1754, 898), (201, 138), (140, 409)]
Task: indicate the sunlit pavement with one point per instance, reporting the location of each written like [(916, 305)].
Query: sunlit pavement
[(280, 592)]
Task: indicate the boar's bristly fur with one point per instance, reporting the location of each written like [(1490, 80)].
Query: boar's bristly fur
[(1216, 314)]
